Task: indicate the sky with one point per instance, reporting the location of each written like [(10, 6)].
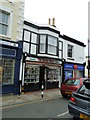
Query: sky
[(71, 16)]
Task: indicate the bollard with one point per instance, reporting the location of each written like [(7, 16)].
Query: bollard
[(42, 91)]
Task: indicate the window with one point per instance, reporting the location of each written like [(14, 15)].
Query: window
[(31, 73), (25, 47), (8, 71), (53, 74), (42, 43), (33, 49), (70, 51), (27, 36), (74, 82), (3, 23), (52, 45), (60, 49)]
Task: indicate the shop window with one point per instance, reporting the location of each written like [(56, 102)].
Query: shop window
[(53, 74), (52, 45), (8, 66), (31, 73), (42, 43), (70, 51), (0, 70), (3, 22)]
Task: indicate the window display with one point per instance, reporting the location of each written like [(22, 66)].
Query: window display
[(8, 71), (31, 73), (53, 74)]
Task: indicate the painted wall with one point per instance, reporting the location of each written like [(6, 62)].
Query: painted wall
[(79, 52), (15, 8)]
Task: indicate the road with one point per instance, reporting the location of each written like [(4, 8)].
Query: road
[(57, 108)]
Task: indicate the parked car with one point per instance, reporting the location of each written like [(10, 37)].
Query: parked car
[(71, 85), (79, 105)]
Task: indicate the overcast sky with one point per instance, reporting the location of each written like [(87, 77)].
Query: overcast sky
[(71, 16)]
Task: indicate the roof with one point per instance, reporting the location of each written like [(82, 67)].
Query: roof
[(43, 27), (72, 40)]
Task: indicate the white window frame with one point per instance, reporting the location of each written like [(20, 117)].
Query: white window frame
[(10, 20), (72, 51)]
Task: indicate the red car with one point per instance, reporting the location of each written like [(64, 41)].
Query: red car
[(71, 85)]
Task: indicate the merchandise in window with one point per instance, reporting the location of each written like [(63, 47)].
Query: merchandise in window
[(3, 23), (53, 74), (31, 73), (8, 66)]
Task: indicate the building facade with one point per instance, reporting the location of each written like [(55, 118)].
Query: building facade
[(73, 54), (11, 24), (42, 57)]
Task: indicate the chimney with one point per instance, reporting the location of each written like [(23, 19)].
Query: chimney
[(53, 22), (49, 21)]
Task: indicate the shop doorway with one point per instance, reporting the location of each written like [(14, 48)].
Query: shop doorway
[(43, 77)]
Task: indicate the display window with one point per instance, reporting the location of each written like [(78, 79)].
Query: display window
[(53, 74), (8, 66), (31, 73)]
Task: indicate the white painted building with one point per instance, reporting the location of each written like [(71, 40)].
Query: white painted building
[(42, 57), (74, 57)]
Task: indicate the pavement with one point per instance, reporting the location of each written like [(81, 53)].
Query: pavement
[(9, 100)]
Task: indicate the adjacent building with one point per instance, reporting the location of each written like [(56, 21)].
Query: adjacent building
[(73, 54), (11, 29)]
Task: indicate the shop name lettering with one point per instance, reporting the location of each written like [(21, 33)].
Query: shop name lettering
[(46, 61)]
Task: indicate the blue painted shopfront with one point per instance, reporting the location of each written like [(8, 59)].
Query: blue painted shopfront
[(69, 68), (11, 57)]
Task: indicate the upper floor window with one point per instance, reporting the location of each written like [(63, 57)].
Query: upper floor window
[(60, 49), (33, 49), (3, 22), (52, 45), (70, 51), (42, 43)]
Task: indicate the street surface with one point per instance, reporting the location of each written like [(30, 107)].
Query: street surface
[(56, 108)]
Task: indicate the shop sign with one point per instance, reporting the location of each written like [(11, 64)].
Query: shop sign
[(47, 60), (32, 59), (9, 43), (73, 66)]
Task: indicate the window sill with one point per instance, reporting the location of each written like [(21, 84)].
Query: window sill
[(5, 37), (70, 58)]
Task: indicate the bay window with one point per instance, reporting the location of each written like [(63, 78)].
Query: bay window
[(42, 43), (33, 49), (52, 45)]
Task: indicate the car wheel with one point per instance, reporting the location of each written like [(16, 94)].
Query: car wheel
[(64, 96), (75, 118)]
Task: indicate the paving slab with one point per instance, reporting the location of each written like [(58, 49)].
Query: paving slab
[(8, 100)]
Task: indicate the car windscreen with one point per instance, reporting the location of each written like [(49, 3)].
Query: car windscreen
[(83, 90), (74, 82)]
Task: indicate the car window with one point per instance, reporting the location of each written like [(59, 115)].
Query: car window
[(84, 90), (72, 82)]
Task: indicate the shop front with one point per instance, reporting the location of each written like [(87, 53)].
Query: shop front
[(9, 66), (73, 70), (41, 71)]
